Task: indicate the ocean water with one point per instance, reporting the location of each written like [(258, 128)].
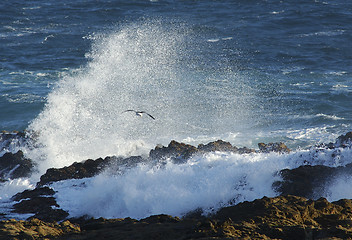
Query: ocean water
[(242, 71)]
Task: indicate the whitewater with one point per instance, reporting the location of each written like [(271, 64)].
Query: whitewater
[(197, 83)]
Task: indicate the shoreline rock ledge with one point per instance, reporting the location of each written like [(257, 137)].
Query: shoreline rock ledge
[(283, 217)]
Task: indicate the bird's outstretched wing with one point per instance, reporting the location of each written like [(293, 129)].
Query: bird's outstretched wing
[(148, 115), (130, 110), (139, 113)]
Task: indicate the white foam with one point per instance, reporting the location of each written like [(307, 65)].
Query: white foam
[(13, 186), (207, 181), (332, 117), (213, 40), (204, 182), (277, 12), (339, 188), (325, 33)]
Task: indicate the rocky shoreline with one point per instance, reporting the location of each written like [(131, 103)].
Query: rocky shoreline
[(283, 217), (288, 216)]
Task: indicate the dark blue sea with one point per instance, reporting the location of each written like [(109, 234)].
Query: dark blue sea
[(244, 71)]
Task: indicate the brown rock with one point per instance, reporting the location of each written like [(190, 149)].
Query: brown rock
[(218, 145), (179, 152), (273, 147), (284, 217), (35, 229)]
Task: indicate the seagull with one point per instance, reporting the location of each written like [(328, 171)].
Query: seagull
[(139, 113)]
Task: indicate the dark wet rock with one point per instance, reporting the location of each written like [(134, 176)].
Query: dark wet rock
[(44, 208), (344, 140), (85, 169), (309, 181), (34, 204), (15, 165), (218, 145), (41, 191), (51, 214), (245, 150), (284, 217), (40, 202), (303, 181), (223, 146), (179, 152), (273, 147)]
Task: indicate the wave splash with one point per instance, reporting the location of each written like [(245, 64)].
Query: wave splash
[(206, 182), (144, 66)]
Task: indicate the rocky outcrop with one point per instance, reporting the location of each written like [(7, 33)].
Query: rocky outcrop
[(309, 181), (180, 152), (284, 217), (218, 145), (40, 202), (15, 165), (273, 147), (36, 229), (86, 169), (42, 191), (289, 217)]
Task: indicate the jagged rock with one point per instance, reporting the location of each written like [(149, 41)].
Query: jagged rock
[(84, 169), (15, 165), (245, 150), (41, 191), (40, 202), (218, 145), (179, 152), (223, 146), (308, 181), (44, 208), (34, 204), (273, 147)]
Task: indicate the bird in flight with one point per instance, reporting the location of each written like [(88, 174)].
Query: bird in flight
[(139, 113)]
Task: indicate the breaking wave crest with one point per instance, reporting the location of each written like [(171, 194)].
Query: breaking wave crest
[(144, 66)]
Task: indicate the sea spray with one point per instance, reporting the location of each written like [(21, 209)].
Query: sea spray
[(206, 182), (143, 66)]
